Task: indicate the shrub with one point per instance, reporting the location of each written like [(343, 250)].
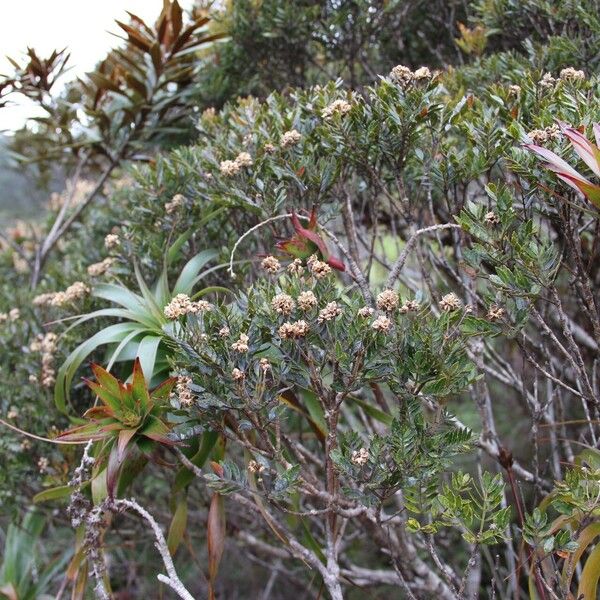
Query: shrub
[(386, 427)]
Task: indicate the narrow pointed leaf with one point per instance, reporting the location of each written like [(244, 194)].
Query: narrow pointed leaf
[(215, 539), (178, 525)]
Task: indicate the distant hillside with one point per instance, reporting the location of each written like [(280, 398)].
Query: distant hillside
[(20, 195)]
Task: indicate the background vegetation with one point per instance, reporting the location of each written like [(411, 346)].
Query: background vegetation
[(420, 420)]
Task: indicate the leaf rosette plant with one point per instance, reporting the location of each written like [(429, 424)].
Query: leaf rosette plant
[(129, 416)]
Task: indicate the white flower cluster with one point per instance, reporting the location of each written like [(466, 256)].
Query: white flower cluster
[(330, 312), (292, 331), (46, 345), (270, 264), (176, 202), (450, 302), (539, 136), (337, 107), (404, 76), (100, 268), (74, 292), (182, 305), (229, 168), (290, 138)]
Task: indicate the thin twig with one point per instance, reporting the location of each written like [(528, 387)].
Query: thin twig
[(397, 268), (172, 580)]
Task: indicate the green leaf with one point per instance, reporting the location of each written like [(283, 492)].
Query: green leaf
[(178, 525), (188, 276), (149, 299), (64, 377), (120, 295), (55, 493), (139, 387), (146, 352), (588, 584), (163, 391), (155, 429)]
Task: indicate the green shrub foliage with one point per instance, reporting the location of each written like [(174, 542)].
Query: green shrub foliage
[(419, 421)]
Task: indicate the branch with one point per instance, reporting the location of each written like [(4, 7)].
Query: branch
[(59, 228), (395, 272), (172, 580)]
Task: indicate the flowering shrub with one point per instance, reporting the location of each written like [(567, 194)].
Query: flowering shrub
[(383, 377)]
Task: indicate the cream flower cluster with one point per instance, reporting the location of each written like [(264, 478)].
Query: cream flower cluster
[(388, 300), (241, 344), (182, 305), (495, 312), (547, 81), (270, 264), (365, 312), (409, 306), (450, 302), (283, 304), (382, 324), (46, 345), (176, 202), (295, 268), (12, 315), (566, 74), (337, 107), (292, 331), (318, 268), (290, 138), (571, 74), (404, 76), (491, 218), (183, 390), (74, 292), (360, 457), (237, 374), (539, 136), (229, 168), (111, 241), (100, 268), (307, 300), (330, 312)]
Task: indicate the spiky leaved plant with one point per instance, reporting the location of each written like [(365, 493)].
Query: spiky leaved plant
[(129, 417)]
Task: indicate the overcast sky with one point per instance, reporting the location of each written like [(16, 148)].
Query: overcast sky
[(81, 25)]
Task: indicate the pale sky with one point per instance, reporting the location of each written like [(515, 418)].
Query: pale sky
[(81, 25)]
